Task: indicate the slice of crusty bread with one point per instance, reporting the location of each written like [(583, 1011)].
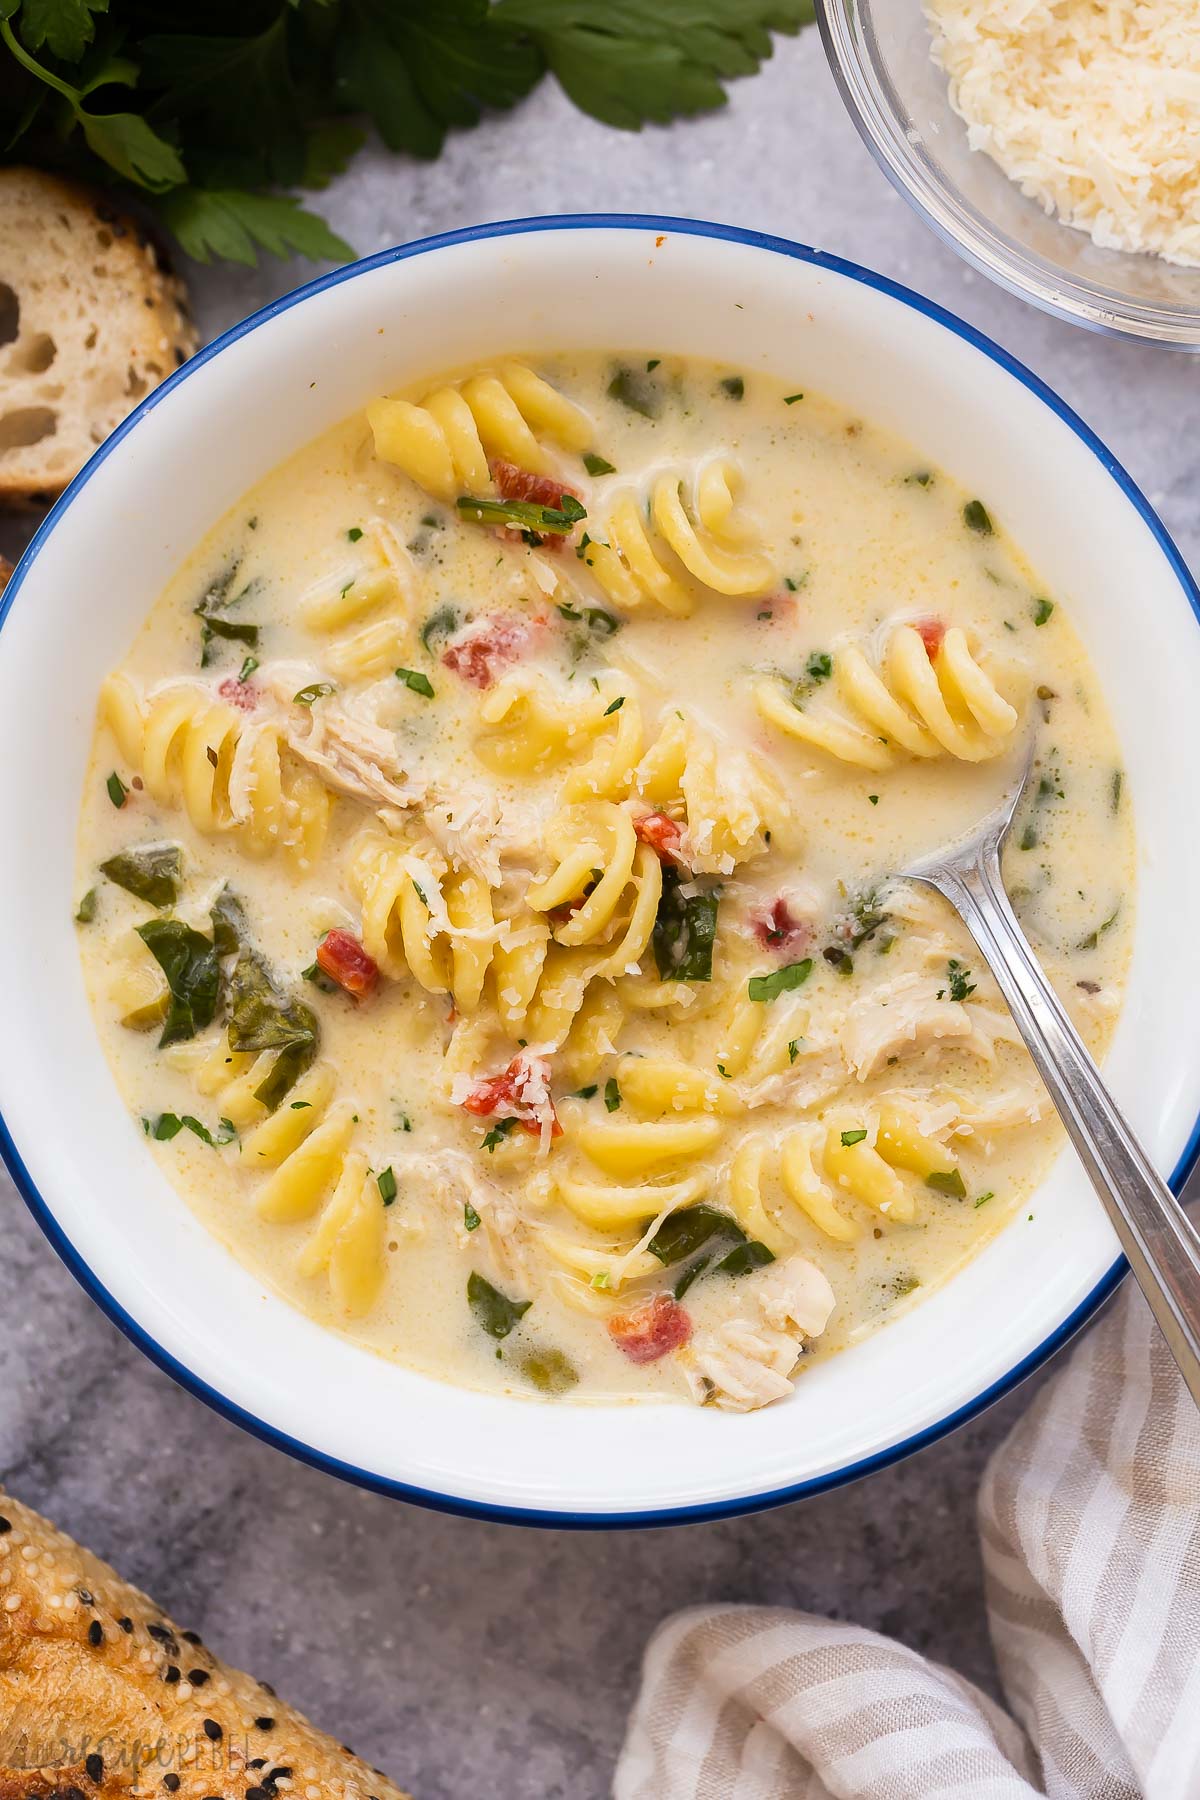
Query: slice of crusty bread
[(90, 320), (101, 1695)]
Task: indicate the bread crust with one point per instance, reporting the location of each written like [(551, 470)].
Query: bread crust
[(99, 321), (103, 1697)]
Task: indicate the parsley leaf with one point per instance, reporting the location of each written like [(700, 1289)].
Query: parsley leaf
[(226, 223), (631, 64), (64, 27), (779, 981)]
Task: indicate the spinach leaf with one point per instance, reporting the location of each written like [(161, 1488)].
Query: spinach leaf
[(263, 1018), (189, 962), (211, 612), (745, 1257), (634, 391), (497, 1314), (688, 1229), (549, 1370), (684, 932), (439, 625), (151, 873), (228, 922)]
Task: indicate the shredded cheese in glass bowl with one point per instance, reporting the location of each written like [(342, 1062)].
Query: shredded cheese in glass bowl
[(1054, 145)]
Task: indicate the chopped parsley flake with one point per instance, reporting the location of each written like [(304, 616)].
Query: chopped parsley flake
[(386, 1183), (959, 977), (316, 690), (612, 1094), (1042, 609), (976, 518), (597, 465), (354, 533), (413, 678), (117, 791), (850, 1138)]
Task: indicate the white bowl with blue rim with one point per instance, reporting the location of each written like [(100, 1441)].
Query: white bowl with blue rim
[(187, 454)]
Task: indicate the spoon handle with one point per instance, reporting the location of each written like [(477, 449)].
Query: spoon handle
[(1159, 1240)]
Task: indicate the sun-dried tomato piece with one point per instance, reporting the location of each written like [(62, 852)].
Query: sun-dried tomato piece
[(931, 632), (652, 1331), (242, 694), (777, 927), (520, 484), (343, 959), (480, 653), (520, 1092), (663, 835)]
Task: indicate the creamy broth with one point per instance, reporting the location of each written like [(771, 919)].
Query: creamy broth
[(591, 1051)]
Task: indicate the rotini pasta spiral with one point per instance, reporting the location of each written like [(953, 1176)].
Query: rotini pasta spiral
[(818, 1162), (723, 798), (444, 443), (677, 548), (228, 772), (919, 705), (306, 1144), (347, 601), (423, 917)]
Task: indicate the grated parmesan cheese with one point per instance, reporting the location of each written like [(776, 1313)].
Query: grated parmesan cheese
[(1091, 106)]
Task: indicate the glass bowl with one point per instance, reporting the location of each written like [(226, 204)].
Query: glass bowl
[(880, 53)]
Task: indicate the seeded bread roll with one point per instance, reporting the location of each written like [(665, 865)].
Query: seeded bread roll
[(90, 320), (102, 1696)]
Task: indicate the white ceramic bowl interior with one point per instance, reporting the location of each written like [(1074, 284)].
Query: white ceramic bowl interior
[(187, 454)]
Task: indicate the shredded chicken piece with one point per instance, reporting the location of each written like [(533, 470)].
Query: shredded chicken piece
[(350, 754), (501, 1243), (899, 1018), (472, 828), (747, 1360)]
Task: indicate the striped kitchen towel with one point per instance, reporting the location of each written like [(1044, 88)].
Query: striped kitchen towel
[(1089, 1518)]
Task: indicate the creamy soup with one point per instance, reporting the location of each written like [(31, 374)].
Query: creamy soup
[(487, 877)]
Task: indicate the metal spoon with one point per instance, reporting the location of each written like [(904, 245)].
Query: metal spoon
[(1159, 1240)]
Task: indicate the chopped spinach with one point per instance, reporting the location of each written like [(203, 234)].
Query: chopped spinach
[(494, 1311), (212, 608), (976, 518), (687, 1230), (791, 399), (439, 624), (779, 981), (947, 1181), (612, 1094), (685, 929), (471, 1219), (600, 623), (549, 1370), (850, 1138), (1092, 940), (385, 1181), (189, 962), (85, 912), (733, 386), (151, 873), (263, 1018), (118, 793), (230, 930), (1041, 611), (744, 1257), (635, 392), (597, 465)]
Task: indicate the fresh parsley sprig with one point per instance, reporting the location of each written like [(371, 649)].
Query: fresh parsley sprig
[(208, 108)]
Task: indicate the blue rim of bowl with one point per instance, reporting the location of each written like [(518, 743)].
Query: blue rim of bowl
[(481, 1509)]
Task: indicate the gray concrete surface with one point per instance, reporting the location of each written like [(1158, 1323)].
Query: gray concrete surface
[(477, 1660)]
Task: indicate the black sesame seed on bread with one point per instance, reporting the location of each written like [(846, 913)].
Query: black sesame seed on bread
[(102, 1697), (90, 320)]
